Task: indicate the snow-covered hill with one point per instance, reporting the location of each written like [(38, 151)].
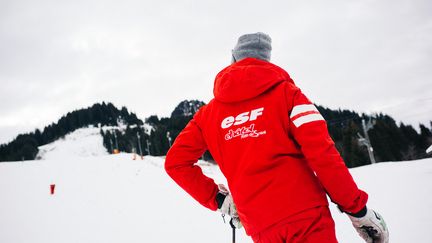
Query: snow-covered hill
[(82, 142), (112, 198)]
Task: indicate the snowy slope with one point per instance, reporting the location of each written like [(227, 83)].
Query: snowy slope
[(82, 142), (112, 198)]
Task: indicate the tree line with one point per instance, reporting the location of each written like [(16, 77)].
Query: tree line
[(390, 141), (25, 146), (160, 134)]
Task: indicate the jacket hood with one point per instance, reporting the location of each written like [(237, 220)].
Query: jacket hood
[(247, 79)]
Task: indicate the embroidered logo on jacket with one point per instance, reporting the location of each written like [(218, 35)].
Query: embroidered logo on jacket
[(244, 132), (242, 118)]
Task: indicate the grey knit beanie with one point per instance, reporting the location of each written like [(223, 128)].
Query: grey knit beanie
[(257, 45)]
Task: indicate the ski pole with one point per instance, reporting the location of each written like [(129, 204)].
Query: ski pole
[(233, 230)]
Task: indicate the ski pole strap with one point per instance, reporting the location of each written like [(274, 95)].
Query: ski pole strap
[(233, 230)]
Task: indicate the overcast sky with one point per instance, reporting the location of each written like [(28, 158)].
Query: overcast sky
[(57, 56)]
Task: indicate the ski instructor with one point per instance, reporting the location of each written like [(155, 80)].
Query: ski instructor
[(273, 147)]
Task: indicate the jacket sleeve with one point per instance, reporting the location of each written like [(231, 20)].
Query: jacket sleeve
[(180, 161), (309, 129)]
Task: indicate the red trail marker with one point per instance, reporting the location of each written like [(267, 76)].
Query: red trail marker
[(52, 187)]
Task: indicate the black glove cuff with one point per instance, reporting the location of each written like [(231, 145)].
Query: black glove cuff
[(360, 213), (220, 199)]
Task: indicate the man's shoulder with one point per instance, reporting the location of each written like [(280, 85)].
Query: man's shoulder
[(203, 110)]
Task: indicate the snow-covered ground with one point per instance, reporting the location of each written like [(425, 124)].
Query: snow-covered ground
[(112, 198)]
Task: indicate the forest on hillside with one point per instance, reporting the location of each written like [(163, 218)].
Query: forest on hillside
[(154, 136)]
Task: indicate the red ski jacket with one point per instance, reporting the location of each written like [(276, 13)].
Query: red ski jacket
[(270, 142)]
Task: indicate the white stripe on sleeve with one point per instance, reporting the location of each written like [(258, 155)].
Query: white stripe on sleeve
[(307, 118), (302, 108)]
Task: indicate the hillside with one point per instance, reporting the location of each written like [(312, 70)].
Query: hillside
[(124, 131), (112, 198), (83, 142), (25, 146)]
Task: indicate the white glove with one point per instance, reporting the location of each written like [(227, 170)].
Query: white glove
[(371, 227), (228, 207)]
